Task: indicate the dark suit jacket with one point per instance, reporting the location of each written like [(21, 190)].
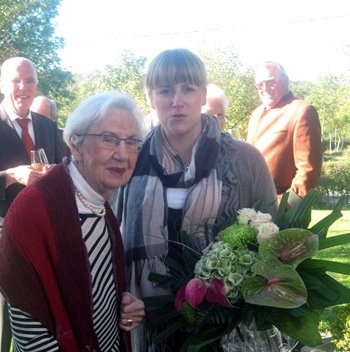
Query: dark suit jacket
[(13, 153)]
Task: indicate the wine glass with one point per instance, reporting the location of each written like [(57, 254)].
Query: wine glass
[(38, 159)]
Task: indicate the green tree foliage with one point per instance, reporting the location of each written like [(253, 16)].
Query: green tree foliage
[(26, 29), (330, 95), (225, 70), (125, 75)]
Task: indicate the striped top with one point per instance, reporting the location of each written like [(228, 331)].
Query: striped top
[(30, 335)]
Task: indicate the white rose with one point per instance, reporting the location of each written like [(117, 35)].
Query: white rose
[(266, 230), (261, 218), (246, 215)]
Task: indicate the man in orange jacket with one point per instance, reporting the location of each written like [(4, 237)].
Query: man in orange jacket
[(287, 131)]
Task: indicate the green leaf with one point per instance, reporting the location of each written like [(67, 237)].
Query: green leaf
[(323, 290), (291, 325), (155, 300), (163, 318), (291, 246), (277, 285), (299, 215), (171, 263), (169, 331), (256, 205), (327, 265), (334, 241), (208, 336), (158, 278), (322, 226)]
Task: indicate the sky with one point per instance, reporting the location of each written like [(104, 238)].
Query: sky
[(308, 37)]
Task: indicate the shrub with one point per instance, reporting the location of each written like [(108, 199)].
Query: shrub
[(340, 328), (334, 180)]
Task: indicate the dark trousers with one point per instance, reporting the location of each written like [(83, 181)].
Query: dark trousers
[(5, 327)]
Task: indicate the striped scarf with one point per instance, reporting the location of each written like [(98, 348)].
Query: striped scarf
[(157, 169)]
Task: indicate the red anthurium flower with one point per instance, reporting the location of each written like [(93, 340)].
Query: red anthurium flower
[(196, 291), (217, 293), (180, 297)]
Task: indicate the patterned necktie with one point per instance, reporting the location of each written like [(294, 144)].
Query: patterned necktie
[(26, 138)]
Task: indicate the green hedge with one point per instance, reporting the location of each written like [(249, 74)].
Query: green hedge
[(334, 180)]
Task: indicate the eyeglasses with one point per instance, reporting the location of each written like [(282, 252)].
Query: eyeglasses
[(109, 142), (270, 83)]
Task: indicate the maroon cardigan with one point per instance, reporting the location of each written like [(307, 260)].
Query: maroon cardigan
[(44, 266)]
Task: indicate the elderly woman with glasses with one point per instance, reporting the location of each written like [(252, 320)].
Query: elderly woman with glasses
[(190, 177), (61, 253)]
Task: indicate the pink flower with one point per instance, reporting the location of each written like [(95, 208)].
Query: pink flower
[(180, 297), (217, 293), (195, 292)]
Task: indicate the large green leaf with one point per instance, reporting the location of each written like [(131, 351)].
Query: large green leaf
[(276, 285), (303, 328), (323, 290), (327, 265), (299, 215), (166, 317), (291, 246), (169, 331), (206, 337), (322, 226), (156, 300), (334, 241)]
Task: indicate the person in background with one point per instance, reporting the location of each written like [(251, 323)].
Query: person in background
[(44, 106), (62, 266), (217, 104), (18, 84), (287, 131), (188, 173), (47, 107)]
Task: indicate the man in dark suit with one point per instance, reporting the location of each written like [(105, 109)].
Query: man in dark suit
[(18, 84), (47, 107)]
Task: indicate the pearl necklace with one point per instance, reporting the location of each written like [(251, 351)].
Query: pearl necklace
[(99, 213)]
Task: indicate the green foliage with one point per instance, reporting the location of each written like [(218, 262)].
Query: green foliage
[(26, 29), (330, 96), (225, 70), (125, 75), (340, 327), (335, 178)]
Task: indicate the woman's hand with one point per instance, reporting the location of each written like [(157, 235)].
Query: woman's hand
[(132, 311)]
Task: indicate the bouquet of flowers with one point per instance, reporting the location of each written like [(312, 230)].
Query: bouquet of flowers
[(257, 273)]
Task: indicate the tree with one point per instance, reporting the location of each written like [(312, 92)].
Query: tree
[(225, 70), (125, 75), (26, 29), (330, 95)]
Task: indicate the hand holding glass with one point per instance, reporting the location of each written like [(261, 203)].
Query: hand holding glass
[(38, 159)]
